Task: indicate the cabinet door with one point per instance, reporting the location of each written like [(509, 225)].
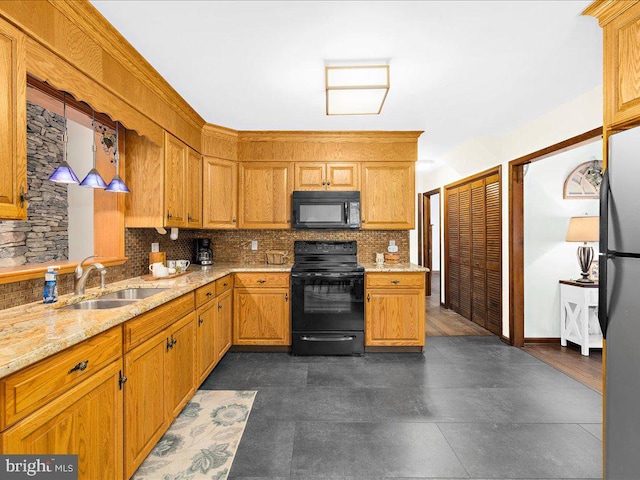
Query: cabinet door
[(310, 176), (343, 176), (220, 193), (394, 317), (622, 68), (179, 366), (224, 321), (206, 341), (265, 195), (261, 317), (194, 189), (86, 421), (13, 123), (175, 181), (388, 196)]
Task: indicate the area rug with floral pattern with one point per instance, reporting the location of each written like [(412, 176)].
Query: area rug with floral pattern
[(202, 442)]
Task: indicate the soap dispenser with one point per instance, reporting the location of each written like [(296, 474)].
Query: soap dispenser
[(50, 294)]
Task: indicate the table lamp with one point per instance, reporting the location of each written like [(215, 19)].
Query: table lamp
[(584, 229)]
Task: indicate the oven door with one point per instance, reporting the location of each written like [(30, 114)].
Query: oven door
[(327, 301)]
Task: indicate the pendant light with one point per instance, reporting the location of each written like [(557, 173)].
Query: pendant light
[(64, 173), (93, 178), (117, 184)]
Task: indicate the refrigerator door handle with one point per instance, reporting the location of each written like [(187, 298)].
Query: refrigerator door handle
[(603, 310)]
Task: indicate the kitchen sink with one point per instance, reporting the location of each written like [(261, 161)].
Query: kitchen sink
[(132, 293), (100, 304)]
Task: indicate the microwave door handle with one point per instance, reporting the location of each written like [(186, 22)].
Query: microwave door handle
[(346, 213)]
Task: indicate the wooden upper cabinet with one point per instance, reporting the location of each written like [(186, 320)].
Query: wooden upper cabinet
[(387, 198), (621, 49), (220, 193), (194, 189), (175, 193), (13, 123), (326, 176), (265, 195)]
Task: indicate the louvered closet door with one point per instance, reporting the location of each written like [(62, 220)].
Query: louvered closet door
[(465, 251), (453, 207), (478, 254), (494, 254)]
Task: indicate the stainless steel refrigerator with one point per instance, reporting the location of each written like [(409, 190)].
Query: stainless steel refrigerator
[(619, 303)]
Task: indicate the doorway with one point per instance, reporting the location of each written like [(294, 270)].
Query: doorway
[(517, 228), (429, 238)]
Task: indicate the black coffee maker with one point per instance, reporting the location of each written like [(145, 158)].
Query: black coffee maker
[(203, 252)]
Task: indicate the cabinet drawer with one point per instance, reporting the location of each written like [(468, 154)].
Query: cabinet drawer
[(205, 293), (413, 279), (148, 324), (266, 279), (223, 284), (29, 389)]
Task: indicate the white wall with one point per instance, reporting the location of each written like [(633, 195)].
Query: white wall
[(435, 232), (80, 157), (582, 114), (547, 257)]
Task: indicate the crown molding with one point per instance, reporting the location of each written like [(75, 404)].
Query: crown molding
[(606, 10)]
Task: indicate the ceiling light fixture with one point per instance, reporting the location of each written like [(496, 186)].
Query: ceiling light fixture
[(64, 173), (117, 184), (93, 178), (357, 89)]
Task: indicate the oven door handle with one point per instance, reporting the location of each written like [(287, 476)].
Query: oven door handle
[(342, 338), (337, 276)]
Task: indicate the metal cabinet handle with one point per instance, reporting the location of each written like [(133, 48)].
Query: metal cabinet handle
[(169, 344), (261, 281), (219, 306), (395, 282), (225, 284), (121, 379), (209, 294), (189, 217), (233, 219), (80, 367), (328, 183), (169, 214), (200, 321), (173, 341), (368, 297), (286, 297), (362, 220), (23, 197), (324, 183)]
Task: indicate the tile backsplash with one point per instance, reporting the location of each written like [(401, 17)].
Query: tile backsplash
[(227, 245)]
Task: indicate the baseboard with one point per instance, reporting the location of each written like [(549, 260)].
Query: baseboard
[(553, 340), (393, 349), (261, 348), (505, 339)]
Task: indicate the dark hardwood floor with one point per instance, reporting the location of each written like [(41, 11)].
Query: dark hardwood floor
[(442, 322)]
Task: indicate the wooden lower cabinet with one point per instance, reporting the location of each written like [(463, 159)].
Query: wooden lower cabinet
[(85, 420), (261, 316), (395, 309), (160, 381), (224, 324), (206, 354)]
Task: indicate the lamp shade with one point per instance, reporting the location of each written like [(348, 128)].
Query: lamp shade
[(64, 174), (93, 180), (117, 185), (583, 229)]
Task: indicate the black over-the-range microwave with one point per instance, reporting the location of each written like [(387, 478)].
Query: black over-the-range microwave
[(333, 210)]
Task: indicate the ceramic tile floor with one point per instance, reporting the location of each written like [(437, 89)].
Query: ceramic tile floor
[(468, 408)]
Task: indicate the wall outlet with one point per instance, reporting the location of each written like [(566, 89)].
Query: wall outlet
[(155, 247), (254, 244)]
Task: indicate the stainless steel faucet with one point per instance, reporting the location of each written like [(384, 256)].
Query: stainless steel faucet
[(81, 275)]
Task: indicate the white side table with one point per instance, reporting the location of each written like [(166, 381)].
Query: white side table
[(579, 315)]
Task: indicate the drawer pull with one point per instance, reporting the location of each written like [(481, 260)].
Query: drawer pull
[(173, 341), (395, 282), (286, 297), (219, 306), (225, 284), (121, 379), (209, 294), (261, 281), (200, 320), (80, 367), (169, 344), (368, 297)]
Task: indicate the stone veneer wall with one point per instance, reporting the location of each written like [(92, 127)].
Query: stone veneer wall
[(44, 236), (228, 246)]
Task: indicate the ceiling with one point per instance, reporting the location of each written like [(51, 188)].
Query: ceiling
[(459, 69)]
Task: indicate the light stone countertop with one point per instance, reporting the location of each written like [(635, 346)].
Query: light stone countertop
[(393, 267), (35, 331)]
